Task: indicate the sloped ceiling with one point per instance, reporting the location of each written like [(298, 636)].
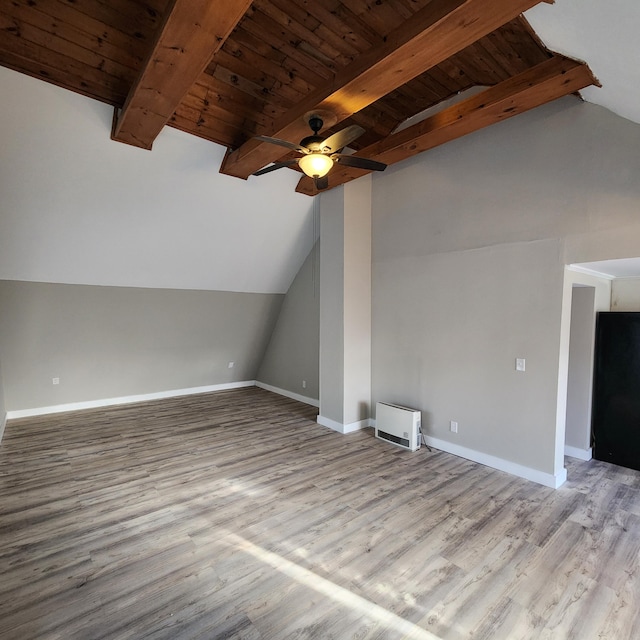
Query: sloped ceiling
[(77, 208), (605, 35)]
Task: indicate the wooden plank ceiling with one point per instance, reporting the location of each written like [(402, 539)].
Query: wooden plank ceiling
[(227, 71)]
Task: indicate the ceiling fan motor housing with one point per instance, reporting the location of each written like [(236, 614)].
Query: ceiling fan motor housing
[(313, 143)]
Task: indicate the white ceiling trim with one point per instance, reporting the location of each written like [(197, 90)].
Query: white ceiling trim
[(611, 269)]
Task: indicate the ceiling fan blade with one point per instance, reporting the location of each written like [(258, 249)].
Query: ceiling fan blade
[(274, 166), (321, 183), (342, 138), (283, 143), (360, 163)]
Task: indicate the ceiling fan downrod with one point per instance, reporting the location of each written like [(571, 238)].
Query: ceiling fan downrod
[(315, 122)]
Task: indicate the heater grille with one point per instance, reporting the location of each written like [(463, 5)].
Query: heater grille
[(403, 442)]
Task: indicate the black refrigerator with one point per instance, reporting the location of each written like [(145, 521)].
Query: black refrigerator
[(616, 389)]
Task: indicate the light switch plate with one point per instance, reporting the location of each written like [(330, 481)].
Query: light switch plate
[(520, 364)]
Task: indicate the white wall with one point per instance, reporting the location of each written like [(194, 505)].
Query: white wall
[(357, 301), (332, 305), (76, 207), (345, 306), (447, 329), (111, 342), (625, 294), (469, 246), (292, 355)]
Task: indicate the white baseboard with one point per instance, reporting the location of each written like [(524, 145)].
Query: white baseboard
[(3, 424), (580, 454), (343, 428), (107, 402), (546, 479), (288, 394)]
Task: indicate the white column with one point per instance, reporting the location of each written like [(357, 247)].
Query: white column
[(345, 306)]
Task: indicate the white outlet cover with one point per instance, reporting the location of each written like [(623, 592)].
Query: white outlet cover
[(230, 365), (520, 364), (55, 380)]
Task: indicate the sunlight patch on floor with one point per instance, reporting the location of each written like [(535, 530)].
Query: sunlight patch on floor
[(331, 590)]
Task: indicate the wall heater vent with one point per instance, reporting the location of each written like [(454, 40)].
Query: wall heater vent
[(398, 425)]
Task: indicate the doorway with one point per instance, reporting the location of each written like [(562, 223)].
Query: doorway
[(580, 372), (591, 292)]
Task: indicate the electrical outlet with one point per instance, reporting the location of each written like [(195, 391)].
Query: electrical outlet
[(55, 380), (453, 426), (520, 364), (231, 365), (304, 384)]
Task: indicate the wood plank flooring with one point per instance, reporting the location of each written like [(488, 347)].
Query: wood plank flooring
[(234, 515)]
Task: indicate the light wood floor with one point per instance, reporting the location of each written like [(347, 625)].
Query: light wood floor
[(234, 515)]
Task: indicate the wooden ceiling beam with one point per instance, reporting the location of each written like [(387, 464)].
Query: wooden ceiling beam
[(436, 32), (192, 32), (547, 81)]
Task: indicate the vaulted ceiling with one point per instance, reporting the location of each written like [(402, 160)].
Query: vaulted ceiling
[(413, 73)]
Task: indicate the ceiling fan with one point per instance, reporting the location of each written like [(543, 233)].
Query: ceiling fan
[(319, 154)]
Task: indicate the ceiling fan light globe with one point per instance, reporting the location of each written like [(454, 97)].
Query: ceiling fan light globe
[(315, 165)]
